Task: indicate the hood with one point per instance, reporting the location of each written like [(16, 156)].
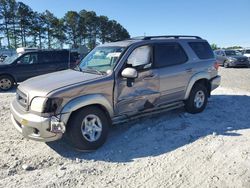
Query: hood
[(42, 85), (238, 57), (3, 65)]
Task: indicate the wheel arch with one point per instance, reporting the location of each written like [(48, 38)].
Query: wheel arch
[(85, 101), (202, 78), (10, 75)]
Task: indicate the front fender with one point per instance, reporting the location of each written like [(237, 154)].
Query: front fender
[(196, 77), (86, 100)]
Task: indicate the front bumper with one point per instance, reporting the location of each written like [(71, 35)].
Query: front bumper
[(215, 82), (239, 64), (32, 126)]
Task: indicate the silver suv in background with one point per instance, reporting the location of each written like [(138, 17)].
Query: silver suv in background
[(231, 58), (114, 83)]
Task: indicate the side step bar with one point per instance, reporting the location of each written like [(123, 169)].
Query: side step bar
[(163, 108)]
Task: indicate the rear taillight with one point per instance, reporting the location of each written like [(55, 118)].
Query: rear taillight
[(216, 65)]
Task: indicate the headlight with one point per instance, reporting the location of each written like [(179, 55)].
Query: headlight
[(232, 59), (45, 105), (37, 104)]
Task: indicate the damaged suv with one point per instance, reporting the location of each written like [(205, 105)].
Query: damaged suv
[(114, 83)]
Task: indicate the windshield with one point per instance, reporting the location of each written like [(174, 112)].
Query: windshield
[(101, 59), (10, 59), (238, 53), (230, 52)]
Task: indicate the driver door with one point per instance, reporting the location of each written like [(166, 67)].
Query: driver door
[(25, 66), (141, 93)]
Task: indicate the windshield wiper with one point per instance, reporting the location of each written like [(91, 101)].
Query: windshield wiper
[(77, 68)]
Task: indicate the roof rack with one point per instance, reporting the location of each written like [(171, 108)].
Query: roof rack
[(166, 36)]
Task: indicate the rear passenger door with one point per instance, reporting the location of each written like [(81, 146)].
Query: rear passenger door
[(171, 62)]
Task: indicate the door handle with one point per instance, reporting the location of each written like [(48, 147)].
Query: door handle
[(148, 77), (189, 70)]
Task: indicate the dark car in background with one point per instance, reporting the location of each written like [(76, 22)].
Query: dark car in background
[(30, 63), (230, 58)]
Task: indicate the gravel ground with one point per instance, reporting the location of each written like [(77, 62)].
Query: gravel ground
[(174, 149), (236, 78)]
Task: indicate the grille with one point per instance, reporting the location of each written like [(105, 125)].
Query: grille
[(22, 99)]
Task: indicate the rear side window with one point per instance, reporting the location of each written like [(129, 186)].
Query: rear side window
[(169, 54), (202, 50), (54, 57)]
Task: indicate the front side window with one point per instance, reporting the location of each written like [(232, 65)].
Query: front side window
[(219, 53), (140, 57), (230, 52), (102, 59), (28, 59), (169, 54)]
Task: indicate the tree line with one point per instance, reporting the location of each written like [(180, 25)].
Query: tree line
[(216, 47), (20, 26)]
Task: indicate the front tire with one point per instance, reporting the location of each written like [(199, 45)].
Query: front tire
[(226, 64), (6, 83), (87, 129), (197, 100)]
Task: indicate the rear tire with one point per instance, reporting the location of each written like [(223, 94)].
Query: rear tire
[(6, 83), (197, 100), (87, 129)]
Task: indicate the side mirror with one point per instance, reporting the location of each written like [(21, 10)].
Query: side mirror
[(129, 73)]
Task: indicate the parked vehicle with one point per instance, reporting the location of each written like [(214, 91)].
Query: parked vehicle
[(116, 82), (230, 58), (28, 63), (7, 52), (246, 53), (239, 51)]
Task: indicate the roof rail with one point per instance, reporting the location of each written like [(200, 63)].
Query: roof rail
[(166, 36)]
